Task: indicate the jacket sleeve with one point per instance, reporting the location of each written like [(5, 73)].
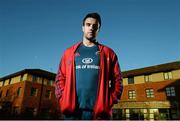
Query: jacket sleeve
[(116, 80), (60, 78)]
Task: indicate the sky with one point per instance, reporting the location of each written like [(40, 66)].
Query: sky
[(35, 33)]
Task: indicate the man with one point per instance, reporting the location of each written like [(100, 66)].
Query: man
[(88, 80)]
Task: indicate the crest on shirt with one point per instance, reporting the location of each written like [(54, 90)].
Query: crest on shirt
[(77, 54)]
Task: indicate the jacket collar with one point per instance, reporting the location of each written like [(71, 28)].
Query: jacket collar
[(79, 43)]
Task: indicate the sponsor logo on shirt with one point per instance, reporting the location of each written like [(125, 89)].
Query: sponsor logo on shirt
[(87, 64), (87, 67), (87, 60)]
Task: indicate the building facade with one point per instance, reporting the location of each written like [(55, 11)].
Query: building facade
[(151, 93), (28, 94)]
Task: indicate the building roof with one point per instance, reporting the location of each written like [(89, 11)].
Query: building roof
[(37, 72), (152, 69)]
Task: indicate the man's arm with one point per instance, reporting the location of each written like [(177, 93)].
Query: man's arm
[(60, 79), (116, 81)]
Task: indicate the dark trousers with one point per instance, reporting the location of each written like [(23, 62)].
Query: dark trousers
[(80, 114)]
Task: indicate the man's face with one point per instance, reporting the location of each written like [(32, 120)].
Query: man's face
[(90, 28)]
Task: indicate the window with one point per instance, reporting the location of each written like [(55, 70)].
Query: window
[(131, 80), (19, 90), (34, 78), (15, 110), (30, 112), (170, 91), (133, 114), (49, 82), (132, 94), (21, 79), (45, 113), (127, 113), (117, 114), (168, 75), (153, 114), (34, 91), (149, 93), (147, 78), (48, 94), (145, 112)]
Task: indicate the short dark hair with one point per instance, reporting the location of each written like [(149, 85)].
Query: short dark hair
[(93, 15)]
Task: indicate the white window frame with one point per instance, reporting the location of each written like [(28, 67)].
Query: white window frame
[(170, 91), (149, 93), (131, 94), (147, 78), (168, 75)]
